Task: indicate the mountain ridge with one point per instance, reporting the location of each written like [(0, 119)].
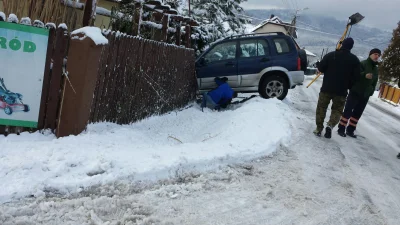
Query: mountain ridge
[(313, 31)]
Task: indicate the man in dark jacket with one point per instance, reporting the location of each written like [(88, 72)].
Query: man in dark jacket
[(218, 97), (357, 100), (340, 69)]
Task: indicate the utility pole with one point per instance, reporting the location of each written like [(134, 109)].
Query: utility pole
[(292, 29)]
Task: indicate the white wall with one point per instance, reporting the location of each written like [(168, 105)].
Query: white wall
[(271, 28)]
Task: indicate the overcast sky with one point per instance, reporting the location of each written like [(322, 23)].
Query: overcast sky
[(382, 14)]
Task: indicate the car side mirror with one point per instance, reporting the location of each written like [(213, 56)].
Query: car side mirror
[(202, 61)]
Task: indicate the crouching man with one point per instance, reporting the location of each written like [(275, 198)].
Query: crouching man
[(220, 96)]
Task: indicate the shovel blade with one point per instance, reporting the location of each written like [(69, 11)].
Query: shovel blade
[(355, 18)]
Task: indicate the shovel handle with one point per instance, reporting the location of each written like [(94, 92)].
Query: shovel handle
[(319, 74)]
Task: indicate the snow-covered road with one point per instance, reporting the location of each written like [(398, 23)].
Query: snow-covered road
[(310, 180)]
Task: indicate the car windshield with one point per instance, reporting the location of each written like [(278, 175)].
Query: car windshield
[(222, 51)]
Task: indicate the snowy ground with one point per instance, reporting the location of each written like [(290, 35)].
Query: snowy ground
[(277, 172), (159, 147)]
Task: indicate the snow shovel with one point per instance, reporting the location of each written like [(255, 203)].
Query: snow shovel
[(353, 19)]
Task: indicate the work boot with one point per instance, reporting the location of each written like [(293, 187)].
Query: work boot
[(351, 134), (317, 133), (328, 132), (341, 133)]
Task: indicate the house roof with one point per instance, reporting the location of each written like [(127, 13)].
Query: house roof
[(274, 20), (310, 53)]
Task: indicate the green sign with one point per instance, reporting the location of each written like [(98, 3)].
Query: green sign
[(23, 52)]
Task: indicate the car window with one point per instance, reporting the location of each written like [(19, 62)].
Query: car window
[(262, 48), (281, 45), (253, 48), (248, 48), (222, 51)]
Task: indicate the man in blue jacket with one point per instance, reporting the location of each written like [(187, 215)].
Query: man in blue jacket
[(219, 97)]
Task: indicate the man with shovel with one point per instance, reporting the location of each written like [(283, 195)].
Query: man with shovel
[(340, 68)]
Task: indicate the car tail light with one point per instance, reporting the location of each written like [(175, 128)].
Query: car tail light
[(298, 64)]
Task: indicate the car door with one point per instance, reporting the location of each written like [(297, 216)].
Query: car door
[(220, 61), (254, 56), (286, 55)]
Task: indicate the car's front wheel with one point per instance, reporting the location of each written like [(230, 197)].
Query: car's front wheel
[(274, 87), (8, 110)]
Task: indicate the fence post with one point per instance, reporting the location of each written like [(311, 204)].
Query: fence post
[(188, 31), (46, 80), (88, 12), (178, 34), (83, 63), (56, 75), (137, 18), (165, 21)]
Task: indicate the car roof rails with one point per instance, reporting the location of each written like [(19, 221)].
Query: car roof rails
[(253, 34)]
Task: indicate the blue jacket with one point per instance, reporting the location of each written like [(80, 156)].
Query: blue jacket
[(222, 94)]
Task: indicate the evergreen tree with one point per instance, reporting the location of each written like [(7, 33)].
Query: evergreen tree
[(389, 68), (217, 19)]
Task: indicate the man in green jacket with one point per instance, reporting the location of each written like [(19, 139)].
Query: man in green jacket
[(360, 92)]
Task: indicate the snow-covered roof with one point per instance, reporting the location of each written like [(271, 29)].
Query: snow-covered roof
[(310, 53), (274, 20)]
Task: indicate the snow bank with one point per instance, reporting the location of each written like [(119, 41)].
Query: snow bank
[(155, 148), (93, 33)]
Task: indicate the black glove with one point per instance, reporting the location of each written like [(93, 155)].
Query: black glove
[(317, 64)]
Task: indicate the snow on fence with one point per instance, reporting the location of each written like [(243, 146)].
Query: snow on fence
[(138, 78), (56, 52)]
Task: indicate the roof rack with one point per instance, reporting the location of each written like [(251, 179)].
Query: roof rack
[(253, 34)]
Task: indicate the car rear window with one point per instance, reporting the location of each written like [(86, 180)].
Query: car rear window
[(281, 45)]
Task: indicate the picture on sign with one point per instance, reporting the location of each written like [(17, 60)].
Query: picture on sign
[(22, 62)]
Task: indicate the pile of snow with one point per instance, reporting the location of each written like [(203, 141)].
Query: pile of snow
[(93, 33), (12, 18), (155, 148), (26, 21), (63, 26), (38, 23)]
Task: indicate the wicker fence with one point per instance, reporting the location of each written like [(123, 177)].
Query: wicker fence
[(138, 78)]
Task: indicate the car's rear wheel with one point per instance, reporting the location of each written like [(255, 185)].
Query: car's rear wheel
[(274, 87), (26, 108)]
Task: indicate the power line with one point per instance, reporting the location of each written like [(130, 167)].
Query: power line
[(308, 25), (316, 31), (294, 5), (290, 25), (368, 42)]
